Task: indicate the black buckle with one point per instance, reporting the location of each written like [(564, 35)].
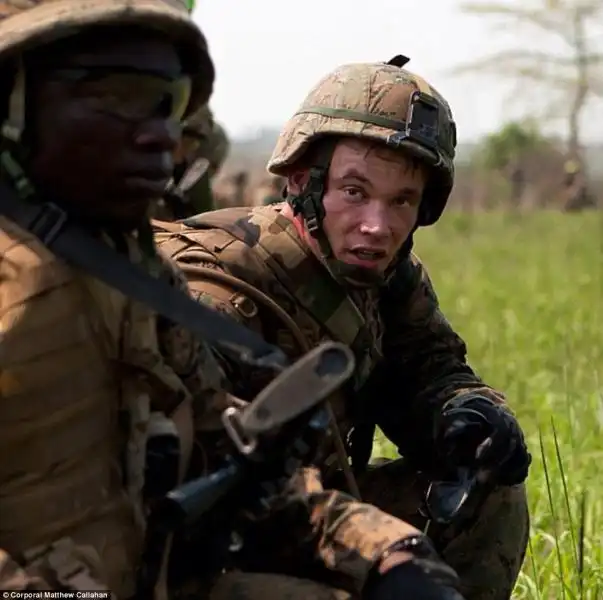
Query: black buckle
[(47, 222), (312, 224)]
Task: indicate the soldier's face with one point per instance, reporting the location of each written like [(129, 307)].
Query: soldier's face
[(371, 203), (106, 118)]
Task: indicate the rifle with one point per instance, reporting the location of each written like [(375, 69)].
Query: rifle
[(272, 436)]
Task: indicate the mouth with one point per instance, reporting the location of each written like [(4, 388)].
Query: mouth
[(370, 258), (152, 182)]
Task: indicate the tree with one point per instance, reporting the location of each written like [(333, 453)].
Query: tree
[(570, 79), (502, 150)]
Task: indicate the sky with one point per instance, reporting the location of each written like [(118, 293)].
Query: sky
[(269, 53)]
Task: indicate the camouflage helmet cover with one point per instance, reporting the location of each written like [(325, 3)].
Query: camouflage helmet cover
[(26, 24), (381, 102)]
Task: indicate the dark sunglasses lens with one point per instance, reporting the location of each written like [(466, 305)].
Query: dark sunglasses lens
[(135, 96)]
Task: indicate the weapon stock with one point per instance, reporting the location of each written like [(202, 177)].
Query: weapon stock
[(288, 402)]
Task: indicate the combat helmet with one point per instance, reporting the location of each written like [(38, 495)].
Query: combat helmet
[(382, 102), (29, 24), (211, 139)]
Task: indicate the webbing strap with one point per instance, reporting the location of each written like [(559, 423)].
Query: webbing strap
[(51, 225)]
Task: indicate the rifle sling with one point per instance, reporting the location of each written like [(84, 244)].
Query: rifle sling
[(51, 225)]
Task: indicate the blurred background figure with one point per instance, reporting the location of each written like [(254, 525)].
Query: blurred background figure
[(202, 150), (270, 191)]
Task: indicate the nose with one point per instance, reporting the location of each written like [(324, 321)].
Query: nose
[(375, 220), (158, 135)]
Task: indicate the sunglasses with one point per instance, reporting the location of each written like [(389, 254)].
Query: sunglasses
[(130, 95)]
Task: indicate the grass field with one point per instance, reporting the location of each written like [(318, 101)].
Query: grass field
[(526, 293)]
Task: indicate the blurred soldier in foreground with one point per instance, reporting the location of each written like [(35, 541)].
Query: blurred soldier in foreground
[(201, 152), (92, 94), (92, 97), (368, 160)]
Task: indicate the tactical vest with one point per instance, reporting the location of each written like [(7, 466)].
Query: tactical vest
[(75, 361), (262, 249)]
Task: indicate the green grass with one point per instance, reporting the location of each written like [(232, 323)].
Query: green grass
[(526, 293)]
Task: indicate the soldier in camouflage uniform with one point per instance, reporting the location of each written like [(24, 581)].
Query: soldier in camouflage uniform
[(201, 152), (368, 159), (92, 94)]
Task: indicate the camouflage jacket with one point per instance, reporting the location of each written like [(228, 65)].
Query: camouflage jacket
[(410, 360)]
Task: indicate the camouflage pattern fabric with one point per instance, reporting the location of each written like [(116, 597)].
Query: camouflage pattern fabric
[(348, 88), (35, 22), (325, 529), (486, 570), (400, 326)]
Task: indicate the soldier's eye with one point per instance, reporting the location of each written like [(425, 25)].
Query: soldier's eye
[(354, 193)]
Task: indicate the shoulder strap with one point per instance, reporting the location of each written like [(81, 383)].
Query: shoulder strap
[(51, 225), (316, 290)]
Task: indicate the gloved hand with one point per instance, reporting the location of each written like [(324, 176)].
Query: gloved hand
[(411, 569), (476, 433)]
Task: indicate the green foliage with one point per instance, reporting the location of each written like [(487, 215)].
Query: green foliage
[(503, 148), (526, 294)]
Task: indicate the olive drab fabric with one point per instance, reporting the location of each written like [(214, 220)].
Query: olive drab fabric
[(373, 101), (25, 24)]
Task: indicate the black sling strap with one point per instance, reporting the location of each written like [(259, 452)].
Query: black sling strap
[(51, 225)]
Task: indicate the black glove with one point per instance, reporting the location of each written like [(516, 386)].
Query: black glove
[(425, 577), (476, 433)]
